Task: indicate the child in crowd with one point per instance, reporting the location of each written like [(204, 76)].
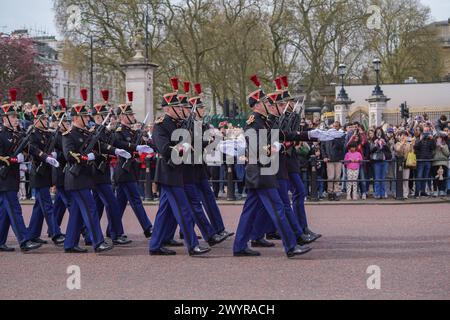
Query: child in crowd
[(353, 160)]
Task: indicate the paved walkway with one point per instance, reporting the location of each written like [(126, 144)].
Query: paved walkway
[(409, 243)]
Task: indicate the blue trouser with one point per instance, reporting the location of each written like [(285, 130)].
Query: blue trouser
[(173, 203), (43, 208), (10, 203), (264, 224), (423, 172), (273, 204), (82, 211), (4, 226), (128, 192), (298, 198), (380, 170), (210, 205), (60, 205), (199, 217), (99, 204), (105, 193)]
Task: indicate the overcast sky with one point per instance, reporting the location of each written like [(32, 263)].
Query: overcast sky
[(37, 15)]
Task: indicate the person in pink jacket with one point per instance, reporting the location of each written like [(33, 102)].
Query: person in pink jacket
[(353, 160)]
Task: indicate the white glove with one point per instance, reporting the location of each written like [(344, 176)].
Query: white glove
[(122, 153), (144, 149), (20, 158), (186, 147), (53, 162), (54, 154), (277, 146), (91, 157), (320, 135)]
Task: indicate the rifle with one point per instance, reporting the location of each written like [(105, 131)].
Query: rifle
[(23, 144), (127, 164), (90, 144), (295, 118), (188, 124), (52, 144)]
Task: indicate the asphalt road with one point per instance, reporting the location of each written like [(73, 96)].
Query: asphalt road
[(409, 243)]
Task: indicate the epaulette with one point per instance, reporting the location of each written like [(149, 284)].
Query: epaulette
[(159, 120), (119, 129), (92, 129), (66, 133), (251, 120)]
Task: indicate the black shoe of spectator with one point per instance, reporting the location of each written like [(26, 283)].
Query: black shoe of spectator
[(330, 197), (335, 197)]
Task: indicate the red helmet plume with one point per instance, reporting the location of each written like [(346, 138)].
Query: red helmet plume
[(130, 95), (105, 95), (40, 98), (84, 94), (175, 84)]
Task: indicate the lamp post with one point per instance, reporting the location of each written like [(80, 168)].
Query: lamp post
[(91, 75), (342, 70), (377, 67), (147, 33)]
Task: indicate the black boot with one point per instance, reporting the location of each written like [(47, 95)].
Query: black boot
[(314, 236), (216, 239), (59, 240), (198, 251), (5, 248), (76, 250), (273, 236), (29, 246), (262, 243), (298, 251), (305, 239), (162, 252), (121, 241), (103, 247), (148, 233), (247, 253)]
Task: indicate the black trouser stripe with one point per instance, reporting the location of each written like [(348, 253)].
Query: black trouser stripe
[(208, 209), (88, 214), (277, 215), (201, 225), (183, 223), (13, 219)]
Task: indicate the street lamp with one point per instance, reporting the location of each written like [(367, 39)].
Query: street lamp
[(147, 33), (377, 67), (342, 70)]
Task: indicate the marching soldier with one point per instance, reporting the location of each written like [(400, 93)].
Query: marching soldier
[(102, 176), (173, 200), (11, 139), (191, 174), (126, 174), (41, 177), (79, 182), (278, 112), (262, 189), (207, 195)]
